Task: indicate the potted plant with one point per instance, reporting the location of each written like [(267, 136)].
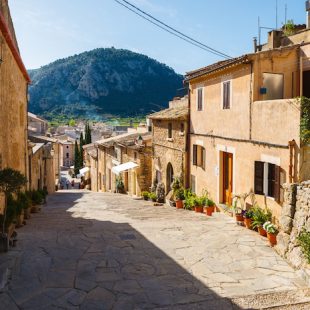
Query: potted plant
[(179, 197), (11, 181), (238, 212), (37, 200), (27, 209), (153, 197), (248, 218), (199, 202), (209, 206), (119, 185), (145, 195), (189, 199), (272, 232), (260, 217)]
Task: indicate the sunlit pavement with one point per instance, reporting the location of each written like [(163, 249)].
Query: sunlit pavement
[(108, 251)]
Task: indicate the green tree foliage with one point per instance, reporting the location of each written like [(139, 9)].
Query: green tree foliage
[(72, 122), (76, 158), (87, 134), (81, 152), (289, 28), (305, 120), (11, 181)]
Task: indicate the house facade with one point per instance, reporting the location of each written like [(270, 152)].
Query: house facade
[(14, 81), (169, 140), (126, 157), (245, 125)]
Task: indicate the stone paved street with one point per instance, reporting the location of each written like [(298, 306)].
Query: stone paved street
[(107, 251)]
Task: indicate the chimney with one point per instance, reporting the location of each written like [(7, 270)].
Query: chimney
[(308, 13), (255, 44)]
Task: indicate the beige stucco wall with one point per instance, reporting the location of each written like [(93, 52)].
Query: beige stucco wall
[(276, 121), (213, 119), (282, 61), (244, 156)]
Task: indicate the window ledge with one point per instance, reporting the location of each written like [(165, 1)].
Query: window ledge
[(170, 139)]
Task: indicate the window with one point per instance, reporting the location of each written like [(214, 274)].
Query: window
[(67, 146), (226, 94), (182, 128), (199, 99), (169, 130), (199, 156), (67, 155), (135, 155), (267, 179)]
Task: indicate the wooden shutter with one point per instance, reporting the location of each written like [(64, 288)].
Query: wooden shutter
[(277, 184), (199, 102), (203, 157), (195, 154), (226, 95), (259, 178)]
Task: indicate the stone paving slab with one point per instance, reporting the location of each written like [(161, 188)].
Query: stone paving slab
[(107, 251)]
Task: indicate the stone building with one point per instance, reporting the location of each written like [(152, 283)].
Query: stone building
[(169, 140), (41, 167), (37, 125), (127, 156), (14, 81), (53, 147), (67, 151), (245, 123)]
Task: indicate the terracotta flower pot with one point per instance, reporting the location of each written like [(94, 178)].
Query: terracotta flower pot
[(239, 218), (199, 209), (262, 231), (179, 204), (248, 223), (209, 210), (272, 239)]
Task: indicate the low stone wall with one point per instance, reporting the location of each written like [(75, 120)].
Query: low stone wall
[(295, 215)]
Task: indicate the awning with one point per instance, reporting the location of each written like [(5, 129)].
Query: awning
[(84, 170), (124, 167)]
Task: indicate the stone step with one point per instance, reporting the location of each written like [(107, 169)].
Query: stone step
[(276, 300)]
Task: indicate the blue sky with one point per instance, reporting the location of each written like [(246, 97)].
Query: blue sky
[(49, 30)]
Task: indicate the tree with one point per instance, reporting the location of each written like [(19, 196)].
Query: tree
[(82, 142), (76, 158), (87, 134), (72, 122), (11, 181)]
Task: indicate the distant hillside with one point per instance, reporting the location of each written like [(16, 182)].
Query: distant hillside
[(102, 81)]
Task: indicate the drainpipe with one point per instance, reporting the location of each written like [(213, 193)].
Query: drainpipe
[(251, 99), (292, 156)]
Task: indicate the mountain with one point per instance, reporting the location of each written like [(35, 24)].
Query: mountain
[(102, 81)]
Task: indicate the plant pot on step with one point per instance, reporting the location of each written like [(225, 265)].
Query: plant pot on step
[(262, 231), (199, 209), (248, 223), (239, 217), (179, 204), (209, 210), (272, 238)]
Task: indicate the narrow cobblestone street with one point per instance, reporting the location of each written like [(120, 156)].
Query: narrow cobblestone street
[(107, 251)]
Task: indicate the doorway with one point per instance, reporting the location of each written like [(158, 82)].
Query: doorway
[(227, 178), (306, 84), (169, 178)]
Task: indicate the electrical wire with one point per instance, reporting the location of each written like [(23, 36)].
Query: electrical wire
[(172, 30)]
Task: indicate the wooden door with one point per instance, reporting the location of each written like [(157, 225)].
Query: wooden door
[(227, 177)]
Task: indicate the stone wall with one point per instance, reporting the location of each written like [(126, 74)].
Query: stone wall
[(295, 215)]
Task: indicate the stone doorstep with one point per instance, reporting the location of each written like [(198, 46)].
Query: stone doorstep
[(271, 300)]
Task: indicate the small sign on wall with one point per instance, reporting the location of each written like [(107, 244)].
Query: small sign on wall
[(216, 171)]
